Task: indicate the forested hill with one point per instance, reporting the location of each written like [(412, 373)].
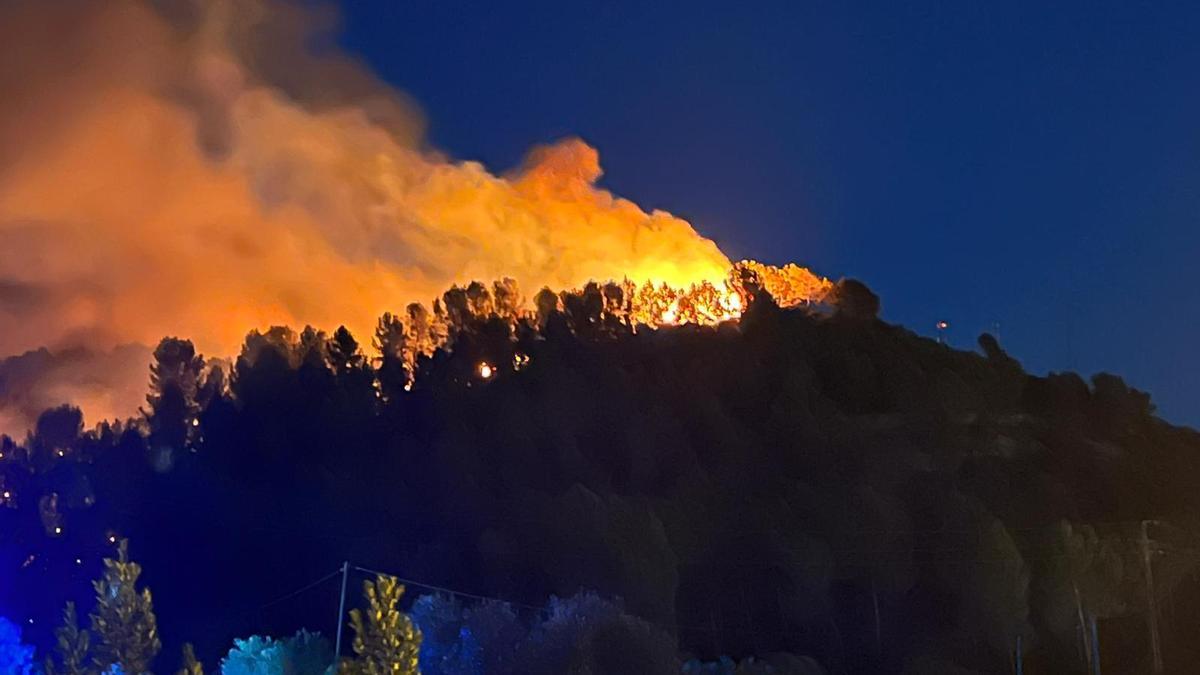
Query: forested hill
[(813, 482)]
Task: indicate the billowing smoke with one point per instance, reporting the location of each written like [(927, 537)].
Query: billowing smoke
[(204, 169)]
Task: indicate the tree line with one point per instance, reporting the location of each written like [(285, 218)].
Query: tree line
[(807, 481)]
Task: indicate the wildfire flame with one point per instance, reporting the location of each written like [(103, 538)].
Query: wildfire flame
[(159, 178), (632, 306)]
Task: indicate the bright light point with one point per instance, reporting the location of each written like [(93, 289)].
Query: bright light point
[(671, 315), (196, 422), (520, 361), (61, 453), (57, 530), (408, 386), (78, 561), (112, 538), (7, 494), (485, 370)]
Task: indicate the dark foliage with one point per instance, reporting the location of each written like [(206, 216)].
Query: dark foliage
[(799, 482)]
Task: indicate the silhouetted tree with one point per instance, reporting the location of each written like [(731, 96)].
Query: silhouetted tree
[(547, 305), (458, 310), (778, 484), (55, 434), (479, 301), (175, 378), (508, 300), (854, 300), (344, 355), (391, 343)]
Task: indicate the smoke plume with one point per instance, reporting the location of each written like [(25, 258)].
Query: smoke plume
[(204, 169)]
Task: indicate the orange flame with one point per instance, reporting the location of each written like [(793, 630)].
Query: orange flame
[(163, 183)]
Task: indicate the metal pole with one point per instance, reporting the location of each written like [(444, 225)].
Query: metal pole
[(341, 618), (1095, 647), (1151, 604), (878, 627), (1085, 643), (1020, 658)]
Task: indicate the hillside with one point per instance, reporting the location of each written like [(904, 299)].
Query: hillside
[(808, 480)]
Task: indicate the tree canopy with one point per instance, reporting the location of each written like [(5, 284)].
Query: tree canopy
[(808, 481)]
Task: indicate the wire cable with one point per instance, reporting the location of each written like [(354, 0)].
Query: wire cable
[(296, 592), (448, 591)]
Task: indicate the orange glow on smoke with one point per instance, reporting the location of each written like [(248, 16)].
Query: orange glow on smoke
[(158, 184)]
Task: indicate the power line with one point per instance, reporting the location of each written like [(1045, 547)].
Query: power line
[(487, 598), (298, 591), (448, 591), (540, 609)]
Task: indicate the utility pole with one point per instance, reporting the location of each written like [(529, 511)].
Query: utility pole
[(341, 618), (878, 627), (1020, 660), (1085, 642), (1151, 604)]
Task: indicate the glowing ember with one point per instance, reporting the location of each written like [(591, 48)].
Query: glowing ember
[(256, 208), (635, 307), (671, 315)]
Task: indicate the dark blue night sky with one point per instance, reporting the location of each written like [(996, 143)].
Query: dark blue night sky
[(1031, 168)]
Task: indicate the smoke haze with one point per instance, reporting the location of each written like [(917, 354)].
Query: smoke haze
[(202, 170)]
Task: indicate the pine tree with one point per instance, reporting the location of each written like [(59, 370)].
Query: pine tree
[(387, 641), (123, 619), (72, 647), (390, 342), (175, 378), (190, 665), (344, 355)]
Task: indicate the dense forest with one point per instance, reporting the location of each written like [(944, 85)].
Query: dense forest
[(803, 486)]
